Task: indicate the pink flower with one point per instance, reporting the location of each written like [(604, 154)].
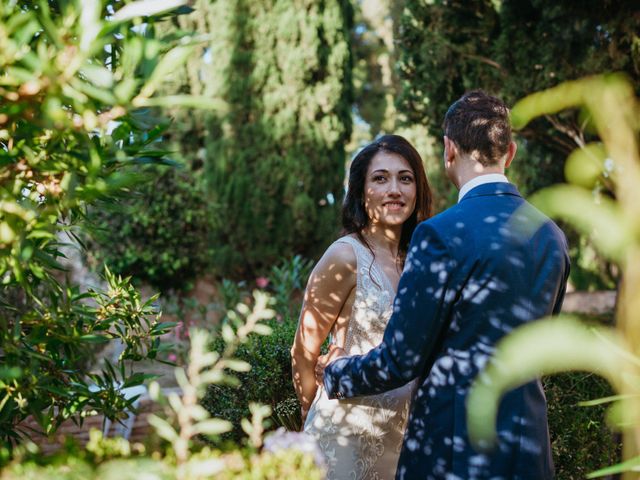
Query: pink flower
[(262, 282), (172, 357)]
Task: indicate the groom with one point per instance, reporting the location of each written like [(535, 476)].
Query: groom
[(473, 273)]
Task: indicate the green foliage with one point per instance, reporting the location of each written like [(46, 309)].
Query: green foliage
[(581, 441), (158, 233), (268, 382), (511, 48), (288, 280), (283, 456), (47, 350), (274, 163), (67, 75), (238, 465)]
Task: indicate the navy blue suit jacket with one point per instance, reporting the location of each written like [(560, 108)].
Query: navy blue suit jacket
[(473, 273)]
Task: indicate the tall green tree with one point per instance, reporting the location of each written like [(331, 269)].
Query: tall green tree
[(271, 168), (275, 163), (511, 48)]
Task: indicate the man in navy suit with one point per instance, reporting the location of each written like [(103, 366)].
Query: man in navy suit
[(473, 273)]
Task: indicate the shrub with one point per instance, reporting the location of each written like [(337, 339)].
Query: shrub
[(288, 281), (581, 441), (268, 382), (182, 456), (70, 71), (158, 233)]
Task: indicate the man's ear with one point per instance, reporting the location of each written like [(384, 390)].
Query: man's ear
[(513, 147), (450, 150)]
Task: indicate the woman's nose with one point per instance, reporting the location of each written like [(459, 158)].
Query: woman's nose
[(394, 186)]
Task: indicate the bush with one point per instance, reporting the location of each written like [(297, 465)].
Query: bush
[(181, 455), (245, 464), (70, 71), (581, 442), (158, 233), (269, 381)]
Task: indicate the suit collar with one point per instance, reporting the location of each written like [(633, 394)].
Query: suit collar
[(496, 188), (480, 180)]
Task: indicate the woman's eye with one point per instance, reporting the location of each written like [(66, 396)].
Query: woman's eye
[(407, 178), (378, 178)]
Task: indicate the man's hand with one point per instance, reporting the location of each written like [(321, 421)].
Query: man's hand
[(335, 352)]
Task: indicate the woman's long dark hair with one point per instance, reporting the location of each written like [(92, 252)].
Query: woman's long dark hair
[(354, 215)]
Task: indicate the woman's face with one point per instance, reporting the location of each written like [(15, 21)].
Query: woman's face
[(389, 190)]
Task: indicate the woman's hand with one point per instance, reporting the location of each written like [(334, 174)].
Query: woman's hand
[(334, 353)]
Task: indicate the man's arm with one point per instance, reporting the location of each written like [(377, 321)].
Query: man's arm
[(420, 312)]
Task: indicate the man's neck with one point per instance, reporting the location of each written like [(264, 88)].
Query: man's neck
[(465, 175), (480, 180)]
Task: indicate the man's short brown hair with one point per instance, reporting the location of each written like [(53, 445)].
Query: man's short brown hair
[(479, 125)]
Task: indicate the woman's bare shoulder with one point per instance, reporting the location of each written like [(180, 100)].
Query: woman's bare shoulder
[(340, 255), (339, 263)]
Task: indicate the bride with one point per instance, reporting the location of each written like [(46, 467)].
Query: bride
[(349, 299)]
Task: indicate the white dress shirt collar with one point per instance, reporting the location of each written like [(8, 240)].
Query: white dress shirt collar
[(480, 180)]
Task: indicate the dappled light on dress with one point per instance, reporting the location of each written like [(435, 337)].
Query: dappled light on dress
[(361, 437)]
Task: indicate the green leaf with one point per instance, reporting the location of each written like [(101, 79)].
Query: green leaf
[(213, 426), (90, 23), (632, 465), (603, 400), (104, 95), (99, 76), (137, 379), (163, 428), (10, 373), (606, 223), (262, 329), (162, 328), (585, 165), (146, 8), (168, 64), (94, 339), (238, 365)]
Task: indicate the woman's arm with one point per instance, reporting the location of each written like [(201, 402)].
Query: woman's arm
[(328, 288)]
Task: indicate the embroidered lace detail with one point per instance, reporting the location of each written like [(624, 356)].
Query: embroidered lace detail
[(361, 437)]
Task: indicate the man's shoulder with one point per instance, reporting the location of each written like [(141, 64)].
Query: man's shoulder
[(444, 220)]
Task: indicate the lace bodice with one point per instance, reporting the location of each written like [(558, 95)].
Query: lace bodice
[(372, 305)]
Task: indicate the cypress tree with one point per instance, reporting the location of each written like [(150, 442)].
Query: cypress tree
[(275, 162)]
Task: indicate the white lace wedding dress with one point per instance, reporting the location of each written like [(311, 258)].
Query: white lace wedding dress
[(361, 437)]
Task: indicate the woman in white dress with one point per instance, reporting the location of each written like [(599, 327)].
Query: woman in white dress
[(349, 298)]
